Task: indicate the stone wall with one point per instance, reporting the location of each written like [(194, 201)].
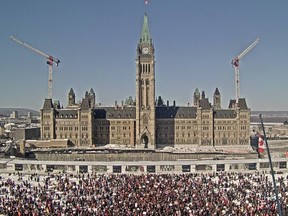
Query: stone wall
[(136, 156)]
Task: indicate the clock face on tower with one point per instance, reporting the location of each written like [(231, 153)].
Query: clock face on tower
[(145, 50)]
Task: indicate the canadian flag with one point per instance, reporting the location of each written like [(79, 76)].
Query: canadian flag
[(261, 147)]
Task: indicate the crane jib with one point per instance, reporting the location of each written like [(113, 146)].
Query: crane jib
[(50, 61)]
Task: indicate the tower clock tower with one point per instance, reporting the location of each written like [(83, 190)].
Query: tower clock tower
[(145, 90)]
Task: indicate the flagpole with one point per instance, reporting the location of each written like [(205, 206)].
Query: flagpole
[(146, 4), (271, 167)]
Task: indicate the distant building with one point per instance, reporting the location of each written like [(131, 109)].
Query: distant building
[(25, 133), (145, 123), (2, 131), (29, 115), (55, 143), (14, 115)]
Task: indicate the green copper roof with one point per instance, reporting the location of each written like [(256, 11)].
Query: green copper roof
[(145, 35), (197, 91)]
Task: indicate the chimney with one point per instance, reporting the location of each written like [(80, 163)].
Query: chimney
[(174, 103), (167, 103), (115, 105)]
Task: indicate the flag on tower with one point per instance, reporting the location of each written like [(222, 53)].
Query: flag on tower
[(146, 2), (261, 146)]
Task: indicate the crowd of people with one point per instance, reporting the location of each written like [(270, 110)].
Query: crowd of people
[(146, 194)]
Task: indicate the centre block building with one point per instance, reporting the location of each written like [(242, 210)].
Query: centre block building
[(146, 122)]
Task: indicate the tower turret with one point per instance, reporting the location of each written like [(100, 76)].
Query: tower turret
[(217, 99), (71, 98), (92, 98), (196, 98), (203, 95)]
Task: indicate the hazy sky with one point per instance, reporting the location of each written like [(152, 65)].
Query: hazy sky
[(195, 41)]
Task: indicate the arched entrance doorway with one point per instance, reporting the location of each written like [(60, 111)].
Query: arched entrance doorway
[(145, 140)]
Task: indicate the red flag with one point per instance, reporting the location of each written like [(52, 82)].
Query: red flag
[(261, 144), (146, 2)]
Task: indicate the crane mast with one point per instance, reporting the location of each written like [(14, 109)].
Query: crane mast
[(236, 65), (50, 62)]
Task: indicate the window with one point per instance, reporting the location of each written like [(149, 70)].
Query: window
[(145, 120), (151, 168), (282, 165), (220, 167), (147, 81)]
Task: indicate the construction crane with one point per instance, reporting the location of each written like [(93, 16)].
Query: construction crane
[(50, 62), (236, 64)]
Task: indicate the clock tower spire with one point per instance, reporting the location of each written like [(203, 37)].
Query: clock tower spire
[(145, 90), (145, 35)]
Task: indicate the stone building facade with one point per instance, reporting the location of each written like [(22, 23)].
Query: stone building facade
[(146, 123)]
